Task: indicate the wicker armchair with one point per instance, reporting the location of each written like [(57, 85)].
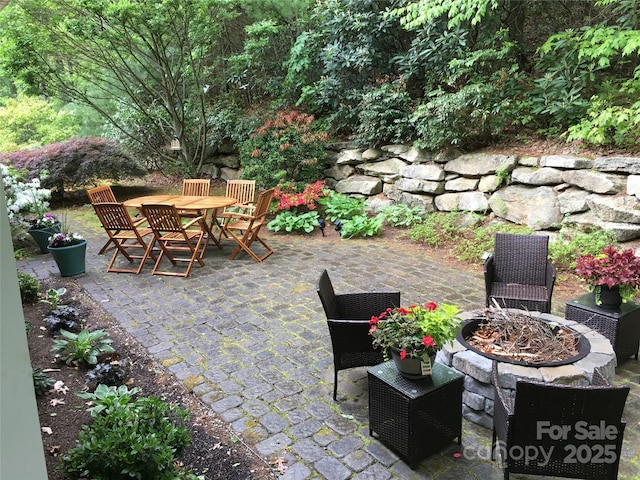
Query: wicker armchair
[(348, 318), (519, 274), (554, 419)]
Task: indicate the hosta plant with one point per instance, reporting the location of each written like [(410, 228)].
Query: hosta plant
[(82, 348)]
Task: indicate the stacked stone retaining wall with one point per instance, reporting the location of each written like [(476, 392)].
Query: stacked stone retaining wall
[(542, 192)]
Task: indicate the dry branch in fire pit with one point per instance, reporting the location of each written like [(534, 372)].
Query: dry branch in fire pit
[(517, 336)]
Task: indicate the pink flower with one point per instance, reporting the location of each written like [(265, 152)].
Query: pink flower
[(403, 354)]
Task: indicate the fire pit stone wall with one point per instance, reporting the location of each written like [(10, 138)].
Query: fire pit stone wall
[(477, 398)]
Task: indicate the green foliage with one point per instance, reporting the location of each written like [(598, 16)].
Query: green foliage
[(82, 348), (348, 47), (437, 229), (77, 162), (29, 287), (292, 221), (384, 116), (338, 206), (52, 296), (286, 148), (108, 398), (474, 113), (478, 240), (130, 440), (28, 122), (422, 12), (402, 215), (569, 244), (41, 381), (361, 226), (608, 124)]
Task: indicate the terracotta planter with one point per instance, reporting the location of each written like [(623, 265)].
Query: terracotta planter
[(71, 259), (413, 368)]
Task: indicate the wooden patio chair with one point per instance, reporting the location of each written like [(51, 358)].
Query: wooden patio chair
[(195, 187), (176, 237), (244, 191), (125, 236), (519, 273), (104, 194), (579, 428), (244, 227), (348, 316)]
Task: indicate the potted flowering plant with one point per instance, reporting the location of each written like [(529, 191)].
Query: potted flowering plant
[(610, 270), (41, 228), (415, 333), (46, 221), (68, 251)]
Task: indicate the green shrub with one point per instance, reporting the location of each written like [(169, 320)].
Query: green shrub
[(338, 206), (384, 116), (361, 226), (82, 348), (130, 440), (479, 240), (29, 287), (284, 149), (402, 215), (106, 398), (437, 229), (291, 220), (41, 381), (569, 245)]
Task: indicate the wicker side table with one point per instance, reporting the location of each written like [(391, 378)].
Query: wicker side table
[(621, 326), (415, 418)]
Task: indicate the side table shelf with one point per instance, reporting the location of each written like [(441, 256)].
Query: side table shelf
[(621, 326), (415, 418)]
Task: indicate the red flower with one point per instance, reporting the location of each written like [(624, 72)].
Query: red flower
[(403, 354), (428, 341), (431, 306), (374, 320)]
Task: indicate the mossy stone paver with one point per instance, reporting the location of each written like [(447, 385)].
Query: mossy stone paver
[(251, 340)]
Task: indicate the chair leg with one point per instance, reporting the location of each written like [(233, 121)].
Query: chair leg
[(493, 445), (335, 385)]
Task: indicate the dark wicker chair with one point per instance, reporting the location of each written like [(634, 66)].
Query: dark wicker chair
[(348, 318), (533, 420), (519, 274)]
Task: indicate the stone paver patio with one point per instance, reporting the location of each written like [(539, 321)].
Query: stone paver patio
[(253, 340)]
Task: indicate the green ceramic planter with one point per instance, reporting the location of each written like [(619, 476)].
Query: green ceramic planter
[(71, 259), (41, 236)]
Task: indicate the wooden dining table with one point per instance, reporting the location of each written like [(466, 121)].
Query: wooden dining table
[(186, 202)]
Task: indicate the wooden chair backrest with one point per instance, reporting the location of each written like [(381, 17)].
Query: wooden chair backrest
[(162, 218), (102, 194), (263, 203), (113, 217), (244, 191), (196, 187)]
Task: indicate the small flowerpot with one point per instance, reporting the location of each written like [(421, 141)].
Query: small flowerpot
[(41, 236), (71, 259), (413, 368), (610, 298)]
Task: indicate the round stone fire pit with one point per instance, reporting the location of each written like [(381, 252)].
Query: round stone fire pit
[(477, 397)]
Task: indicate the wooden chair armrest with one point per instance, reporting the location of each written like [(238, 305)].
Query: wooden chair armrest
[(192, 221)]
